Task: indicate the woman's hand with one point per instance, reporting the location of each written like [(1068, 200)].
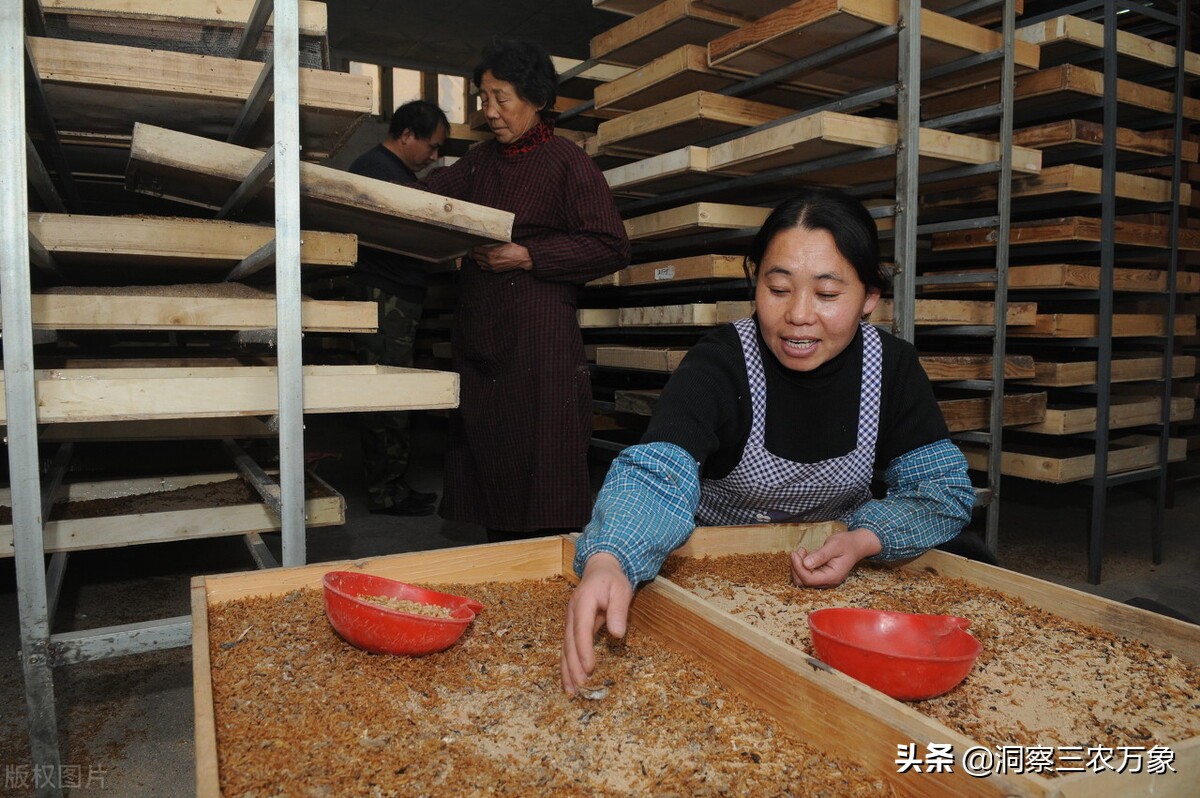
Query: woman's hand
[(829, 565), (602, 598), (502, 257)]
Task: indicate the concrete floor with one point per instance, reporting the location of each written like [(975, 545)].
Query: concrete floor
[(127, 723)]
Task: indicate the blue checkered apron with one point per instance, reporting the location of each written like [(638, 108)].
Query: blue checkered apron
[(767, 489)]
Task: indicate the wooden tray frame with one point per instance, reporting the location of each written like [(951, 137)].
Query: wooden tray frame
[(801, 693)]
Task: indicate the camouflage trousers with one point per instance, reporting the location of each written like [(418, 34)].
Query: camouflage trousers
[(385, 437)]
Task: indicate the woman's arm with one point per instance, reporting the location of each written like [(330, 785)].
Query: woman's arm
[(644, 512), (593, 242), (929, 500)]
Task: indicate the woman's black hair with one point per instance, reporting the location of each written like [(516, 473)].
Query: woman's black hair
[(525, 65), (853, 230)]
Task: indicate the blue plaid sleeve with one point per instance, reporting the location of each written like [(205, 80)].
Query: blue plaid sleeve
[(645, 510), (929, 501)]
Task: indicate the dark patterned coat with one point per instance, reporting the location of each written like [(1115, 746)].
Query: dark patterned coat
[(517, 456)]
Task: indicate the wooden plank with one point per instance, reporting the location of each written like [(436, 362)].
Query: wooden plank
[(827, 133), (75, 239), (1047, 276), (1065, 38), (139, 311), (681, 270), (660, 29), (1123, 369), (1082, 325), (693, 315), (204, 723), (1067, 229), (105, 532), (975, 413), (805, 29), (81, 394), (683, 71), (384, 215), (1124, 411), (661, 174), (1053, 88), (216, 13), (681, 121), (698, 216), (933, 312), (1126, 454), (1076, 133), (1069, 178), (639, 358), (942, 368), (105, 88)]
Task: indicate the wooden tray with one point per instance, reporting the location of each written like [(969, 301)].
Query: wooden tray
[(854, 721), (76, 534), (660, 29), (122, 394), (199, 171), (1073, 463), (92, 87), (1123, 369)]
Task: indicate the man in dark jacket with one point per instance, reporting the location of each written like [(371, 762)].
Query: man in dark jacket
[(397, 284)]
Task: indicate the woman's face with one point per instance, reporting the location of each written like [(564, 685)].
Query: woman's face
[(508, 114), (809, 298)]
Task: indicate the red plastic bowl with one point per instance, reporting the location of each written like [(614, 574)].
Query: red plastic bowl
[(382, 630), (907, 656)]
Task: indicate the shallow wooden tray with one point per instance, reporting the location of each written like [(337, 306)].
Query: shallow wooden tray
[(854, 720), (102, 532), (1072, 462), (122, 394), (1124, 411), (1123, 369), (199, 171), (660, 29), (94, 87)]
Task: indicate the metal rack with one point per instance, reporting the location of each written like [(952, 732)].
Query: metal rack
[(37, 586)]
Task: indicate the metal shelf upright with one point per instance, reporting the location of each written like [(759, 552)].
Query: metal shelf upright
[(37, 586)]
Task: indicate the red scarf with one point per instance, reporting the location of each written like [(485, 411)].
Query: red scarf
[(533, 138)]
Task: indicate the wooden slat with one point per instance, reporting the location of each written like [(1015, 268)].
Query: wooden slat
[(134, 393), (217, 13), (679, 270), (1065, 275), (678, 122), (1127, 454), (142, 312), (75, 239), (826, 134), (639, 358), (807, 28), (663, 173), (662, 28), (105, 88), (1124, 411), (975, 413), (1067, 229), (598, 317), (698, 216), (1122, 369), (1051, 89), (942, 368), (934, 312), (1079, 132), (104, 532), (1082, 325), (384, 215), (693, 315), (1063, 179), (1065, 38)]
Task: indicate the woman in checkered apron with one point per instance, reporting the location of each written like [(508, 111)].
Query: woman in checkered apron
[(785, 416)]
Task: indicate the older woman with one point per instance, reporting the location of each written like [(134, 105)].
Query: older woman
[(780, 417), (517, 457)]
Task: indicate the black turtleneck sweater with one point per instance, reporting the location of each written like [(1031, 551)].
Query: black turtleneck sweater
[(811, 416)]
